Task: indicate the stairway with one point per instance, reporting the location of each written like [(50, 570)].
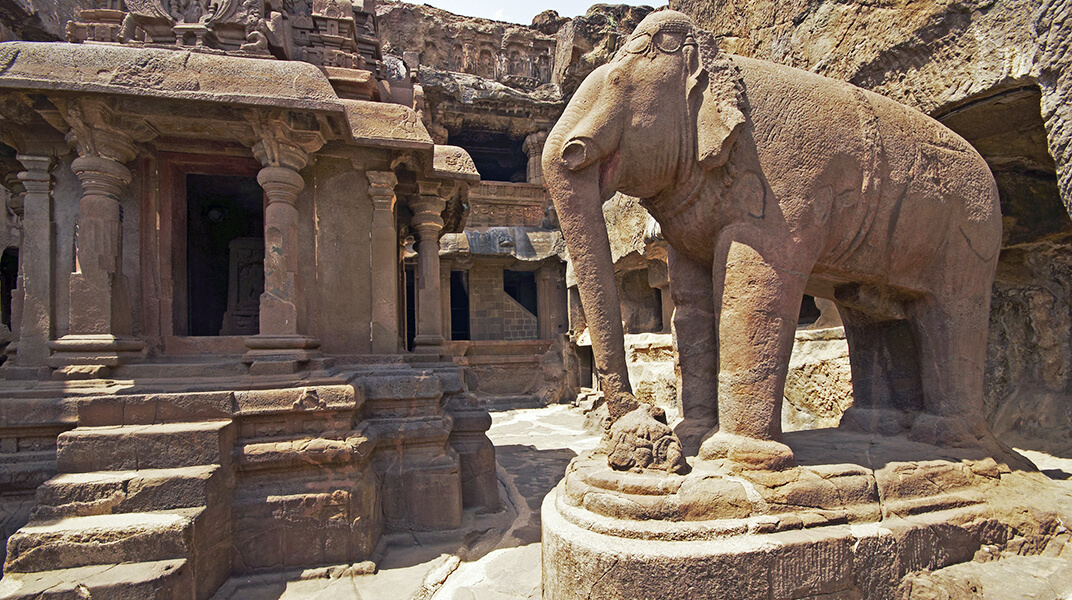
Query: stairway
[(139, 509)]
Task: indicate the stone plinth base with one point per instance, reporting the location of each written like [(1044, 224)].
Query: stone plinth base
[(859, 515), (95, 350), (279, 354)]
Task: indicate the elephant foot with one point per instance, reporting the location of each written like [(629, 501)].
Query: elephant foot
[(691, 432), (765, 455), (959, 432), (641, 439)]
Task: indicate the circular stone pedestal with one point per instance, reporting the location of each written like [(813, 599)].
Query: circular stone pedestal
[(857, 515)]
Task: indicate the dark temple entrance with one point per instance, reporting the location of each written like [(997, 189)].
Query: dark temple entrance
[(224, 254)]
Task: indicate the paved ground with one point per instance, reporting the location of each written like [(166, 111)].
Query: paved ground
[(497, 556), (492, 557)]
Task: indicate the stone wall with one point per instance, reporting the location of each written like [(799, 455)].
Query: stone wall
[(494, 315)]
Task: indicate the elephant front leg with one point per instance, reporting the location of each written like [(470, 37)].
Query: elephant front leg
[(696, 342), (760, 304)]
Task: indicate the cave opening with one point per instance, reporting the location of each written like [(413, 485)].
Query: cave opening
[(1007, 130), (497, 156)]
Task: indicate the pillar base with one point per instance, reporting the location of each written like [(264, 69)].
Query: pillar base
[(428, 344), (279, 354), (98, 350)]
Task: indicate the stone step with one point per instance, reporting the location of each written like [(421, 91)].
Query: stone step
[(101, 539), (134, 447), (157, 580), (151, 409), (116, 492), (187, 370)]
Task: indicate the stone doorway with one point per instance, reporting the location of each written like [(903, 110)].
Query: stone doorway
[(224, 254)]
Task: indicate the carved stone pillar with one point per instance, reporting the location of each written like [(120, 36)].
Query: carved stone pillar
[(533, 147), (34, 310), (428, 224), (384, 262), (100, 327), (284, 150), (101, 324)]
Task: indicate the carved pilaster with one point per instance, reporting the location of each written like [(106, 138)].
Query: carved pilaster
[(34, 312), (385, 262), (284, 150), (427, 222)]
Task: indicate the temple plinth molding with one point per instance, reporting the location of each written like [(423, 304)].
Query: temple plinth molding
[(385, 261), (427, 223), (284, 151)]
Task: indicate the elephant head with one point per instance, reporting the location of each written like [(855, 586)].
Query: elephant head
[(666, 108)]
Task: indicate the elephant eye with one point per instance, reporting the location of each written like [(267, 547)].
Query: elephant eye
[(639, 44), (669, 41)]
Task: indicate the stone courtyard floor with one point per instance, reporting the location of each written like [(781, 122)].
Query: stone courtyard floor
[(497, 556)]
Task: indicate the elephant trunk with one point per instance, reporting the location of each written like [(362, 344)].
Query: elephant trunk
[(576, 196)]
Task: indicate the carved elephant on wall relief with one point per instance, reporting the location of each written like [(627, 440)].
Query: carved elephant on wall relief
[(768, 183)]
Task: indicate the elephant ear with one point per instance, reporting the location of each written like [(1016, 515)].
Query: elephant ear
[(720, 114)]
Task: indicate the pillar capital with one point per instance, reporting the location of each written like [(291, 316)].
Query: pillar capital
[(281, 183), (99, 129), (382, 189), (278, 141), (427, 208), (101, 177)]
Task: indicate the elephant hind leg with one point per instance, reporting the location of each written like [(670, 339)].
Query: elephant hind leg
[(885, 373), (952, 334)]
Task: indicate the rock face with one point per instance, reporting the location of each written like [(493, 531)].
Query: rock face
[(38, 20), (591, 40), (1029, 363), (818, 387), (935, 56)]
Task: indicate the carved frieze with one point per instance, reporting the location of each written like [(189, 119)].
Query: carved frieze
[(329, 33)]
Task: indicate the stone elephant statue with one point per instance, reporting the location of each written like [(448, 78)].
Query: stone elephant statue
[(770, 183)]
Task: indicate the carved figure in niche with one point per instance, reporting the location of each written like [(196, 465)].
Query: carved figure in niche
[(768, 183), (487, 64), (457, 63)]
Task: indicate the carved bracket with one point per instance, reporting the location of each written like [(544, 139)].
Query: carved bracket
[(281, 140), (99, 130)]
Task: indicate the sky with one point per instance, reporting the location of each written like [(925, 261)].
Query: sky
[(522, 11)]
